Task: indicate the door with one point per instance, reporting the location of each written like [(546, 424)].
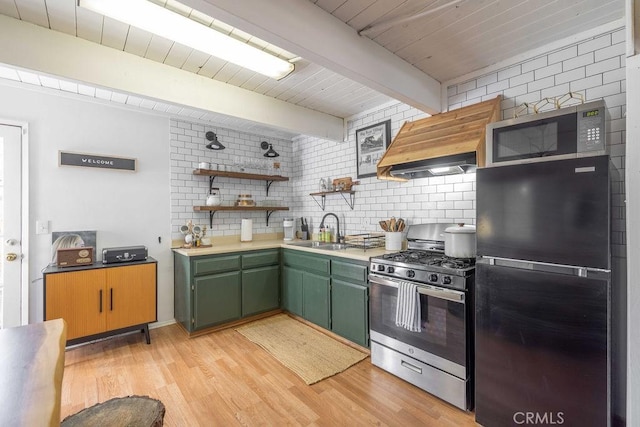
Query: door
[(541, 347), (260, 289), (13, 292), (79, 298), (554, 212), (217, 299), (315, 299), (350, 311), (444, 324), (292, 290), (130, 296)]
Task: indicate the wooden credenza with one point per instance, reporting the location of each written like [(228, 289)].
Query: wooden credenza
[(102, 299)]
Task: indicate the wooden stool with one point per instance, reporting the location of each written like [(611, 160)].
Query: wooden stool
[(138, 411)]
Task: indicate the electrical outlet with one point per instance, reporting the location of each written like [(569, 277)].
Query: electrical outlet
[(42, 227)]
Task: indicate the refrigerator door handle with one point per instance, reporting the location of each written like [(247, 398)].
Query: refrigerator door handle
[(571, 270)]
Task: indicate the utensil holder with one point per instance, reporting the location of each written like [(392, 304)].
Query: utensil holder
[(393, 241)]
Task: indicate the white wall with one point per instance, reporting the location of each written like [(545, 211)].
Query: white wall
[(124, 208)]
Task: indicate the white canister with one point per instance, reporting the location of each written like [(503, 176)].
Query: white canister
[(246, 230), (393, 241), (460, 241), (204, 165)]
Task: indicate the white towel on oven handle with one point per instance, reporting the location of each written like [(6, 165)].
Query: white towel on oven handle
[(408, 307)]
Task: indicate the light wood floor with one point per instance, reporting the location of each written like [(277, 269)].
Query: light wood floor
[(224, 379)]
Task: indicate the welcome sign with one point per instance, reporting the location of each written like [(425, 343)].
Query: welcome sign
[(96, 161)]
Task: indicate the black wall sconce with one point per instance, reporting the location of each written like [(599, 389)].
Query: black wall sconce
[(214, 144), (270, 152)]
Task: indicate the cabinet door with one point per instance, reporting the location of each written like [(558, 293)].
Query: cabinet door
[(78, 298), (315, 295), (292, 290), (216, 299), (130, 295), (260, 289), (350, 311)]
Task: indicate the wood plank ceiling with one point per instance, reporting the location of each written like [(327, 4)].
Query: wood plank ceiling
[(444, 39)]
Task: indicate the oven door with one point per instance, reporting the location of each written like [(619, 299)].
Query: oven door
[(444, 339)]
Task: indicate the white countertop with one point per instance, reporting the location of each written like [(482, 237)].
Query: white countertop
[(352, 253)]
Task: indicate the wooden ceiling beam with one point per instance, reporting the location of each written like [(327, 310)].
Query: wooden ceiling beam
[(302, 28), (32, 47)]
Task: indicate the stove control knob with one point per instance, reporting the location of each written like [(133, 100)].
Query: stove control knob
[(446, 280), (390, 269), (433, 277), (411, 273), (380, 267)]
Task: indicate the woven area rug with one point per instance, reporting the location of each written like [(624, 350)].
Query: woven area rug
[(312, 355)]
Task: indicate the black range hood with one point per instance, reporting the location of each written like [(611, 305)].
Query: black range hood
[(448, 165)]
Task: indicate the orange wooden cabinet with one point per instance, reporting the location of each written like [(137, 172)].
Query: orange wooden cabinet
[(102, 300)]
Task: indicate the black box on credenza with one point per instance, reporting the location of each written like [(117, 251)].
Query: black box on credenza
[(124, 254)]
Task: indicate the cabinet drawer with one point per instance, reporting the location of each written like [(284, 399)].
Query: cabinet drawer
[(349, 271), (218, 264), (260, 259), (315, 263)]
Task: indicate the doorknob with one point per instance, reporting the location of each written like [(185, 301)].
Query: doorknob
[(12, 257), (12, 242)]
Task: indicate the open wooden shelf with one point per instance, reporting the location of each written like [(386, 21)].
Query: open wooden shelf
[(213, 209), (270, 179)]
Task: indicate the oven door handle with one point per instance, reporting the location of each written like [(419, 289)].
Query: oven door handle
[(428, 290)]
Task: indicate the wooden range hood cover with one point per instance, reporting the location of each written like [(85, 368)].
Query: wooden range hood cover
[(441, 136)]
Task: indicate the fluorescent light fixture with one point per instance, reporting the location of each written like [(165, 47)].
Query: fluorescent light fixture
[(170, 25), (440, 171)]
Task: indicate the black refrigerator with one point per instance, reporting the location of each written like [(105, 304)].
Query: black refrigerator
[(542, 294)]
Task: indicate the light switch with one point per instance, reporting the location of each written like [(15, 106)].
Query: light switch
[(42, 227)]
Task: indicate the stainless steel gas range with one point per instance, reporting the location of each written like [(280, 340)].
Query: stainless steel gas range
[(439, 358)]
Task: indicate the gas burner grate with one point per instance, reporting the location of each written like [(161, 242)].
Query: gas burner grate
[(455, 263), (430, 258)]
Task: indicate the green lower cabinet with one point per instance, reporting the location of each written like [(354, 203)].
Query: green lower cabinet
[(316, 299), (260, 290), (292, 290), (217, 299), (350, 311), (210, 290)]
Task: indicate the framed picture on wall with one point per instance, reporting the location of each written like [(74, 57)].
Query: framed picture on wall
[(71, 239), (371, 143)]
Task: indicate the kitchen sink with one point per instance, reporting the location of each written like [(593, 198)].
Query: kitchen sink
[(320, 245)]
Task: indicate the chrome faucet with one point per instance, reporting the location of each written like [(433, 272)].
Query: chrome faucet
[(338, 236)]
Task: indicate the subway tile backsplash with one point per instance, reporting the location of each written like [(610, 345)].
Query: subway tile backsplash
[(187, 190), (594, 68)]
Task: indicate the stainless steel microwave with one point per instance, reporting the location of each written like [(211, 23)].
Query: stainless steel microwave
[(569, 132)]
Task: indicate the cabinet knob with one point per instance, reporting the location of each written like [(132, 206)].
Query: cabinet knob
[(12, 257)]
